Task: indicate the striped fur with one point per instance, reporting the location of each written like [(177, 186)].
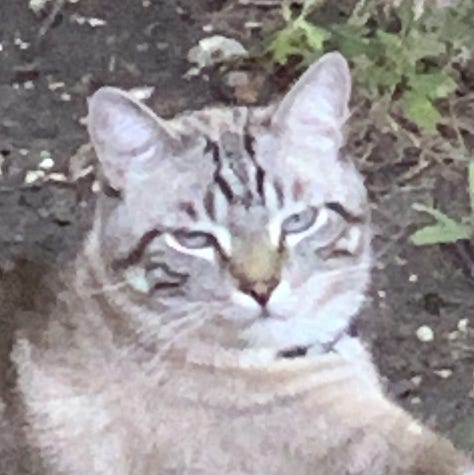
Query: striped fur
[(206, 327)]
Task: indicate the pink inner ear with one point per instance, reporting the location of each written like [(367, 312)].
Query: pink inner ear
[(320, 97), (122, 130)]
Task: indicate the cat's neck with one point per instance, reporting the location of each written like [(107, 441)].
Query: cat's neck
[(243, 379)]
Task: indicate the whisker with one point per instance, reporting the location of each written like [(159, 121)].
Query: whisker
[(106, 288), (354, 268), (198, 321)]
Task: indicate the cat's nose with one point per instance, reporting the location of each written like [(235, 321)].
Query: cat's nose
[(260, 291)]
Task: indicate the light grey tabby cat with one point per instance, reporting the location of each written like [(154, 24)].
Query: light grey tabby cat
[(206, 325)]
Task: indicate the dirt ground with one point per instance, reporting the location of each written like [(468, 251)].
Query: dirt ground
[(44, 82)]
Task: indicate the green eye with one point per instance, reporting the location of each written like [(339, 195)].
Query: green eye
[(194, 239), (299, 222)]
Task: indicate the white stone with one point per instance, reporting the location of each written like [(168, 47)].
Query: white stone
[(215, 49), (37, 5), (142, 93), (34, 175), (443, 373), (46, 163), (425, 334), (463, 324)]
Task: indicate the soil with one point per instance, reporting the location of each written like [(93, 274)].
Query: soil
[(44, 82)]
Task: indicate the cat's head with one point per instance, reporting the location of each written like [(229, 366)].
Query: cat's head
[(251, 222)]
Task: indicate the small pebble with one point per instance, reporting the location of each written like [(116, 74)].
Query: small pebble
[(52, 86), (142, 47), (413, 278), (415, 400), (416, 380), (382, 294), (215, 49), (95, 187), (463, 324), (46, 164), (443, 373), (425, 334), (60, 177), (453, 335), (34, 175), (253, 25)]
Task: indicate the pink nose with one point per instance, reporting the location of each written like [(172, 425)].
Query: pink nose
[(261, 297), (260, 291)]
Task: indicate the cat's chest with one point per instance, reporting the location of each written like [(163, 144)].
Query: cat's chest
[(136, 418)]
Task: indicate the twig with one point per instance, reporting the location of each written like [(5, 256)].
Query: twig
[(48, 22), (261, 3)]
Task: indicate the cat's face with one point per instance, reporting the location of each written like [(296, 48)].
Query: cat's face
[(252, 221)]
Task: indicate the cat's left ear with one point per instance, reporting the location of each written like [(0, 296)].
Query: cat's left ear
[(319, 101)]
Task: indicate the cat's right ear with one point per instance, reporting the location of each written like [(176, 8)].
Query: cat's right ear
[(127, 136)]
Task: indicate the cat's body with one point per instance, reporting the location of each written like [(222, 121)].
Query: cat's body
[(205, 328)]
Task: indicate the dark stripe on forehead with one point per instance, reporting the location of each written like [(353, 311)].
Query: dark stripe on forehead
[(249, 145), (209, 204), (189, 209), (249, 142), (279, 192), (346, 214), (213, 148), (259, 179)]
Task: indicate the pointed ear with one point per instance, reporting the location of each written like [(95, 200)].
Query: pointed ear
[(125, 133), (319, 99)]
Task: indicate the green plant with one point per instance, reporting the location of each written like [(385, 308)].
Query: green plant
[(299, 37), (394, 54), (446, 229)]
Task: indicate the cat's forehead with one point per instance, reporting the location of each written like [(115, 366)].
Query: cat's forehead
[(223, 124)]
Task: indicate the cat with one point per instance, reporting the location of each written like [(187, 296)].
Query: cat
[(205, 326)]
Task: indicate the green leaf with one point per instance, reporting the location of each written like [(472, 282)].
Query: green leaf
[(360, 15), (433, 85), (441, 217), (420, 110), (315, 36), (421, 44), (439, 233), (286, 11), (446, 230), (309, 6), (391, 41), (351, 41), (282, 47), (407, 16)]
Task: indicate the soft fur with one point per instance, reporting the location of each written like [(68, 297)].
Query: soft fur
[(205, 327)]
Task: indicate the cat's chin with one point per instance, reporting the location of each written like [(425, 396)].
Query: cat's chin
[(292, 336)]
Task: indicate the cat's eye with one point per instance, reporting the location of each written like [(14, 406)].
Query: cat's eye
[(299, 222), (194, 239)]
